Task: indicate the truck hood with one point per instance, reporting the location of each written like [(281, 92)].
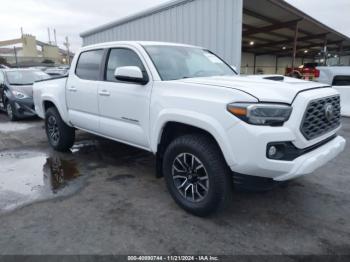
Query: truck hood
[(263, 90)]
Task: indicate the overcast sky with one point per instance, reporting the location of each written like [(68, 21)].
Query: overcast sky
[(71, 17)]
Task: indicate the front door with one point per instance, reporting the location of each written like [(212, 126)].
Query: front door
[(124, 106), (81, 91)]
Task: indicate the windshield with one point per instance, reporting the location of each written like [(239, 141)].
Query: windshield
[(25, 77), (178, 62)]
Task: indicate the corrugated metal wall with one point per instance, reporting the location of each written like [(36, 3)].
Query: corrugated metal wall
[(214, 24)]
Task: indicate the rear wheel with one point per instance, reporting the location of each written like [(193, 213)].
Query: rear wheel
[(61, 136), (196, 174)]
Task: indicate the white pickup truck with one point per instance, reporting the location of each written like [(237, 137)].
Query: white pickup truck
[(339, 78), (205, 124)]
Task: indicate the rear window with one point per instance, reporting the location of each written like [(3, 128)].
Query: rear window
[(88, 66), (341, 81)]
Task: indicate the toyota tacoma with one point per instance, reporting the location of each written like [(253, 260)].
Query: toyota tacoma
[(205, 124)]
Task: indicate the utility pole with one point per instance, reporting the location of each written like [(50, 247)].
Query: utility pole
[(48, 31), (54, 34), (68, 52), (15, 51)]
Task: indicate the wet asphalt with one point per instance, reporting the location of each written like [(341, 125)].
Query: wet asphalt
[(103, 198)]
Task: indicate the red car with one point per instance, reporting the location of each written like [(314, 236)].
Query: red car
[(306, 71)]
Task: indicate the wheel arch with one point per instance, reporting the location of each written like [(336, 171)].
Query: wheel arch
[(47, 104)]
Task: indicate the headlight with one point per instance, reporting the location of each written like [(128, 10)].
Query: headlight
[(261, 114), (19, 95)]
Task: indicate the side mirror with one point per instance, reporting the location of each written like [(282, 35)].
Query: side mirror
[(130, 74)]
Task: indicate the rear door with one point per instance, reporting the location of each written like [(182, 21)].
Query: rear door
[(124, 106), (342, 84), (82, 90)]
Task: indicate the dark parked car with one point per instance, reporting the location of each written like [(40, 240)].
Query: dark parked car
[(16, 91)]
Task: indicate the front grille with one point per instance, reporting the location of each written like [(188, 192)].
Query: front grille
[(315, 122)]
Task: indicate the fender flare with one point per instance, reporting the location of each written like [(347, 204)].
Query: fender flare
[(195, 119), (64, 115)]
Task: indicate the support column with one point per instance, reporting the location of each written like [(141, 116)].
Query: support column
[(295, 44), (341, 49), (325, 52), (276, 68), (254, 64)]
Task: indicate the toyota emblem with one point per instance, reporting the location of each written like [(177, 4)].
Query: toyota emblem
[(329, 112)]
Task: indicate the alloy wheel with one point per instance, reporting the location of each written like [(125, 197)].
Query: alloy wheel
[(190, 177), (53, 130)]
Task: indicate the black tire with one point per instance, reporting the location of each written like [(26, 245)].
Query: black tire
[(10, 111), (63, 140), (207, 152)]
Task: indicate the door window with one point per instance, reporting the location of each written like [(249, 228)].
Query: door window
[(341, 81), (122, 57), (88, 66)]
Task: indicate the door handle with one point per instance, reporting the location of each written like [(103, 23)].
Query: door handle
[(72, 89), (104, 93)]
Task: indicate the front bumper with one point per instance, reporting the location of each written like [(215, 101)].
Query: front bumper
[(309, 162), (249, 144), (24, 107)]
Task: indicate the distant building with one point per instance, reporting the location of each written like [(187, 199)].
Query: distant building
[(27, 51)]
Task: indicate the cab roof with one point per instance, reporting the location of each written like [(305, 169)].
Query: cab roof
[(135, 44)]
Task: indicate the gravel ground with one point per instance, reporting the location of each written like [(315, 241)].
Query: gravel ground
[(104, 198)]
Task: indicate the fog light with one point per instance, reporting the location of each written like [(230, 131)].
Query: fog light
[(272, 151)]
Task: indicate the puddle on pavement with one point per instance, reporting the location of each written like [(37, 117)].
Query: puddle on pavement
[(32, 176), (28, 177), (84, 147), (14, 126)]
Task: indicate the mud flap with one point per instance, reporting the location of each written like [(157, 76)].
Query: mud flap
[(159, 165)]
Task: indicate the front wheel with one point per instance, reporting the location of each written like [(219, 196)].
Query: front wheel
[(61, 136), (10, 112), (196, 174)]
